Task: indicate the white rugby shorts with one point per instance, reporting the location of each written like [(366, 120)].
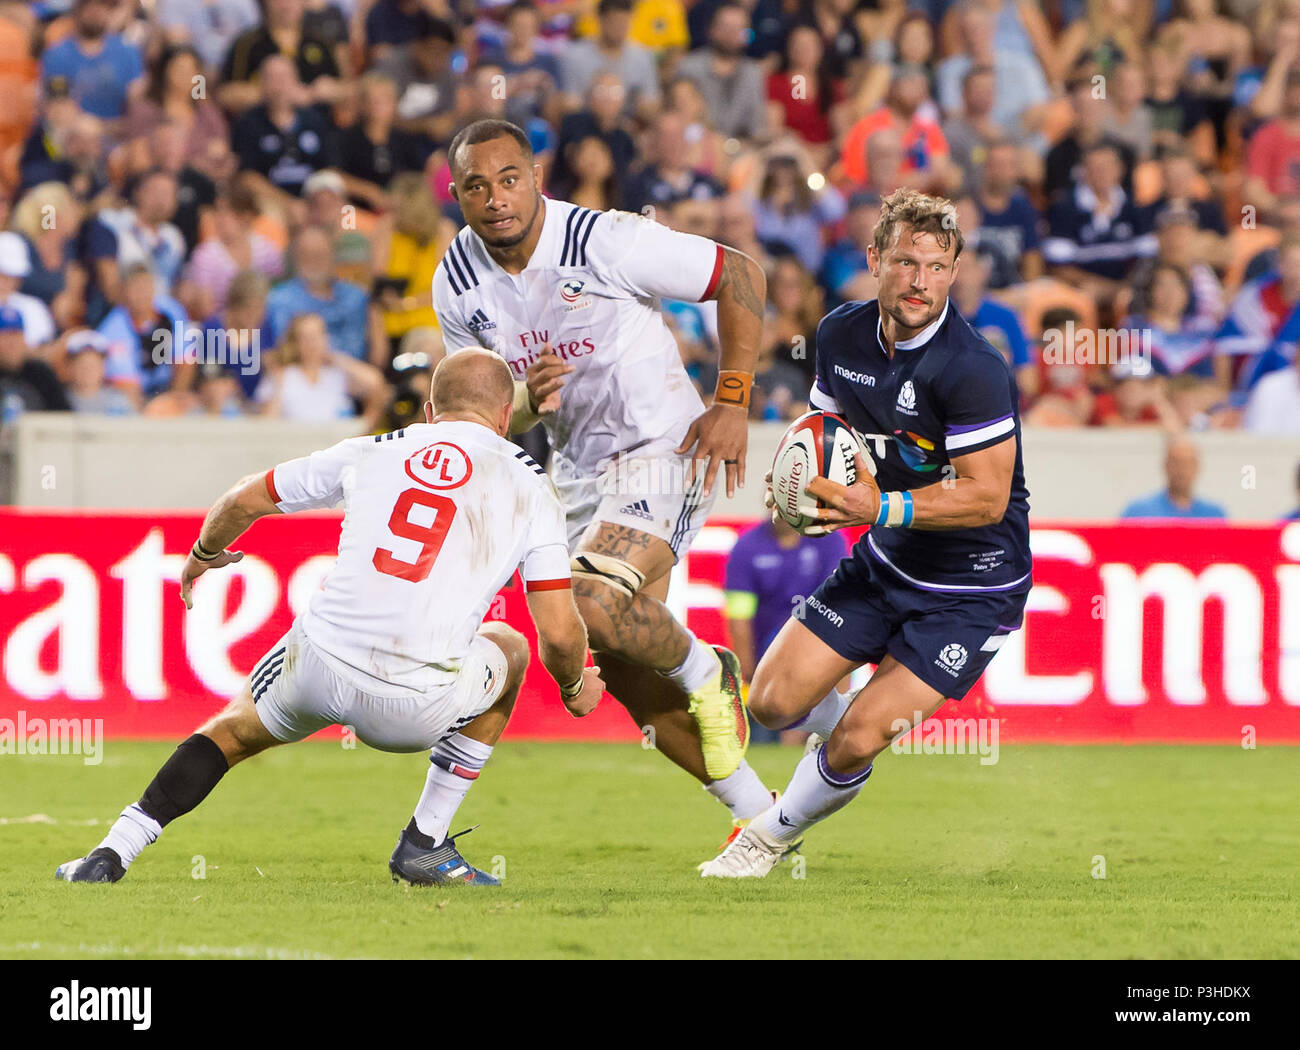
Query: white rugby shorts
[(296, 694)]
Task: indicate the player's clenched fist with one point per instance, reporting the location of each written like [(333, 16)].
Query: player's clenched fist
[(544, 378), (845, 505), (593, 688)]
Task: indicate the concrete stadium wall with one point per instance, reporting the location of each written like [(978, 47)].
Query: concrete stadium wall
[(62, 460)]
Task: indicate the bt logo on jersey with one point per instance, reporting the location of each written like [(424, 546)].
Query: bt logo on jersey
[(440, 466)]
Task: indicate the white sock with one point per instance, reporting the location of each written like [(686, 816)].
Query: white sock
[(699, 668), (454, 765), (742, 793), (131, 832), (815, 792), (825, 716)]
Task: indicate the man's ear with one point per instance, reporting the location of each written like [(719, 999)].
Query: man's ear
[(451, 188), (537, 176), (873, 261), (428, 411), (506, 414)]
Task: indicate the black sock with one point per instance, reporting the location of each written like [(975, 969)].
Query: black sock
[(185, 779), (418, 837)]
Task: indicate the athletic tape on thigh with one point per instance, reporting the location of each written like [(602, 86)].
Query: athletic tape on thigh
[(608, 570)]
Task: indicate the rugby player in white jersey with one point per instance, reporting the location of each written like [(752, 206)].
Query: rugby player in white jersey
[(569, 297), (437, 518)]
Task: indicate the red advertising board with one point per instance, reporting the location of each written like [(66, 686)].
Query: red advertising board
[(1134, 632)]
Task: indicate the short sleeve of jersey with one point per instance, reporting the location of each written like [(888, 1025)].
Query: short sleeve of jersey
[(820, 397), (976, 396), (545, 566), (314, 482), (644, 258), (447, 308)]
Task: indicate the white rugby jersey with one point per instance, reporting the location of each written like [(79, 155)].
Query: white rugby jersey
[(592, 288), (437, 517)]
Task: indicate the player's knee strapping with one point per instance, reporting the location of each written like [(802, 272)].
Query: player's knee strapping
[(607, 570), (185, 779)]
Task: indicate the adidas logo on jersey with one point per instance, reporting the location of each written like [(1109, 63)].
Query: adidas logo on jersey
[(479, 322), (639, 509)]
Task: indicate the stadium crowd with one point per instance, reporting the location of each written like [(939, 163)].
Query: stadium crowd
[(236, 207)]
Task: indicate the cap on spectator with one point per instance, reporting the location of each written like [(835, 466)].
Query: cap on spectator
[(14, 260), (1173, 213), (10, 319), (88, 339), (324, 180)]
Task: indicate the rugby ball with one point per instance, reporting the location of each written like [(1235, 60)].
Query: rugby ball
[(818, 444)]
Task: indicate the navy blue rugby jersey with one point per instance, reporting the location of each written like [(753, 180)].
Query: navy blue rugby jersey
[(947, 392)]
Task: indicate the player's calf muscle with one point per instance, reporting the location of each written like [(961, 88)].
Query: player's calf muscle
[(634, 626)]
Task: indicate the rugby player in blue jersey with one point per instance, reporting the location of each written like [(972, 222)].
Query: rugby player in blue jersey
[(932, 591)]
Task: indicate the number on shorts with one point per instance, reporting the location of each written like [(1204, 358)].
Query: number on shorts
[(431, 536)]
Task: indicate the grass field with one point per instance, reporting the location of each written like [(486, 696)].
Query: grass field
[(939, 857)]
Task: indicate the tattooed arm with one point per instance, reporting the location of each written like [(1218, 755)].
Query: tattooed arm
[(720, 436)]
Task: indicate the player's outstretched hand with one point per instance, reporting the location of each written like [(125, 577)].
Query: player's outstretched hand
[(593, 687), (843, 506), (544, 378), (719, 437), (194, 569)]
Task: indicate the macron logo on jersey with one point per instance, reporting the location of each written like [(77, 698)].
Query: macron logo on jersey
[(479, 322), (855, 377)]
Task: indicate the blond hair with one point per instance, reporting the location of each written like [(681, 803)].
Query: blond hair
[(29, 213), (922, 214)]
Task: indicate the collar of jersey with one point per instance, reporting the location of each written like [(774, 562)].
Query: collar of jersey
[(921, 338)]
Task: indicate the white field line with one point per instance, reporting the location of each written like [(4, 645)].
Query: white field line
[(45, 818), (193, 951)]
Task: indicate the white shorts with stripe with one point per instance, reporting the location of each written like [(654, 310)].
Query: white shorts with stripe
[(644, 490), (296, 693)]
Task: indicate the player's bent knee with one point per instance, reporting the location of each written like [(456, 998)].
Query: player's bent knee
[(515, 647), (770, 702)]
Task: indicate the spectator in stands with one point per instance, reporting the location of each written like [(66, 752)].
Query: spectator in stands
[(101, 70), (1271, 168), (732, 84), (145, 232), (325, 196), (770, 570), (1063, 397), (907, 111), (194, 190), (1178, 244), (841, 40), (803, 97), (595, 182), (316, 383), (390, 24), (177, 92), (233, 246), (995, 322), (426, 84), (736, 228), (243, 325), (972, 131), (66, 146), (408, 243), (1262, 328), (532, 76), (54, 275), (1178, 118), (1110, 32), (1274, 405), (1020, 94), (209, 26), (374, 149), (315, 290), (706, 148), (603, 117), (1178, 499), (283, 140), (141, 332), (27, 384), (15, 267), (1181, 342), (1064, 164), (845, 273), (286, 33), (88, 390), (792, 215), (1006, 216), (1178, 175), (610, 51), (668, 178), (1288, 225), (1096, 233), (784, 371), (1128, 118)]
